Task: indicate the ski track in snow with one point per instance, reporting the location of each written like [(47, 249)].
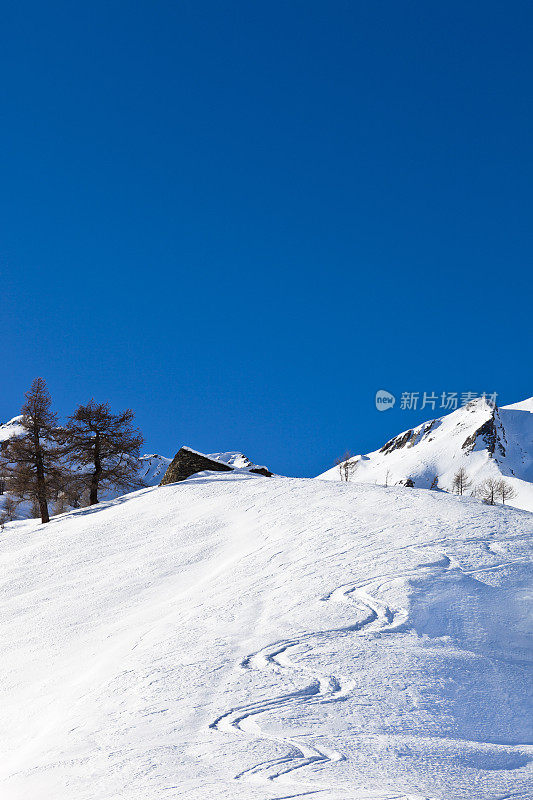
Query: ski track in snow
[(117, 664), (378, 618)]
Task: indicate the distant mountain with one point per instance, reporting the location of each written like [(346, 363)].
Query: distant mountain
[(234, 459), (152, 468), (10, 429), (485, 440)]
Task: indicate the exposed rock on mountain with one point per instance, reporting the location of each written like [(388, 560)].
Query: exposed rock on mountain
[(491, 433), (488, 442), (188, 462)]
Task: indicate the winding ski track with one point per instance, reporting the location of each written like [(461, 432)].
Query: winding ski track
[(375, 616)]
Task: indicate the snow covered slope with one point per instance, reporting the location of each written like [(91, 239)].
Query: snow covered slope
[(11, 428), (236, 638), (152, 468), (234, 458), (487, 442)]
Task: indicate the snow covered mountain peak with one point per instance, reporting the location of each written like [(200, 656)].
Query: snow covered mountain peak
[(486, 440), (523, 405), (11, 428), (234, 458), (152, 467)]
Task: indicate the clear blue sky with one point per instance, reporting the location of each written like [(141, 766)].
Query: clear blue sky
[(242, 219)]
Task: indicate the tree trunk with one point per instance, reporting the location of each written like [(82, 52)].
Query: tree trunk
[(95, 479), (41, 484), (93, 496)]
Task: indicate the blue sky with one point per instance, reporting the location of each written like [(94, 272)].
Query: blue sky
[(243, 219)]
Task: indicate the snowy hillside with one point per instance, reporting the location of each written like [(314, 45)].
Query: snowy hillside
[(233, 458), (152, 468), (245, 638), (11, 428), (487, 442)]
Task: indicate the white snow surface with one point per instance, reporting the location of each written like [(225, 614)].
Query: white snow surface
[(152, 468), (11, 428), (523, 405), (234, 458), (437, 449), (248, 638), (237, 460)]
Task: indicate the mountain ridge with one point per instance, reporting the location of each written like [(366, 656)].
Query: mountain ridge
[(485, 440)]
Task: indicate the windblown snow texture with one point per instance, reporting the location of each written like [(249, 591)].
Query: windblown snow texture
[(232, 637)]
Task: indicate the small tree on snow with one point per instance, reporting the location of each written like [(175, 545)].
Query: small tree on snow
[(346, 466), (461, 481), (506, 491), (488, 490), (9, 511)]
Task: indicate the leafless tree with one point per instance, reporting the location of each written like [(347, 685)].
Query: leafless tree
[(33, 459), (346, 465), (506, 491), (103, 447), (9, 511), (35, 509), (488, 490), (387, 477), (435, 483), (461, 481), (61, 503)]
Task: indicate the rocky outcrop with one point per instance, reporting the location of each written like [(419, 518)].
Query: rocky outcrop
[(397, 442), (488, 432), (261, 471), (187, 462)]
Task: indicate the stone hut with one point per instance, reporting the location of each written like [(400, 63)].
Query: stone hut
[(187, 462)]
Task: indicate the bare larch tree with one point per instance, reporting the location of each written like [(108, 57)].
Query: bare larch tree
[(34, 468), (104, 448), (9, 511), (461, 481), (346, 465), (506, 491), (488, 490)]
